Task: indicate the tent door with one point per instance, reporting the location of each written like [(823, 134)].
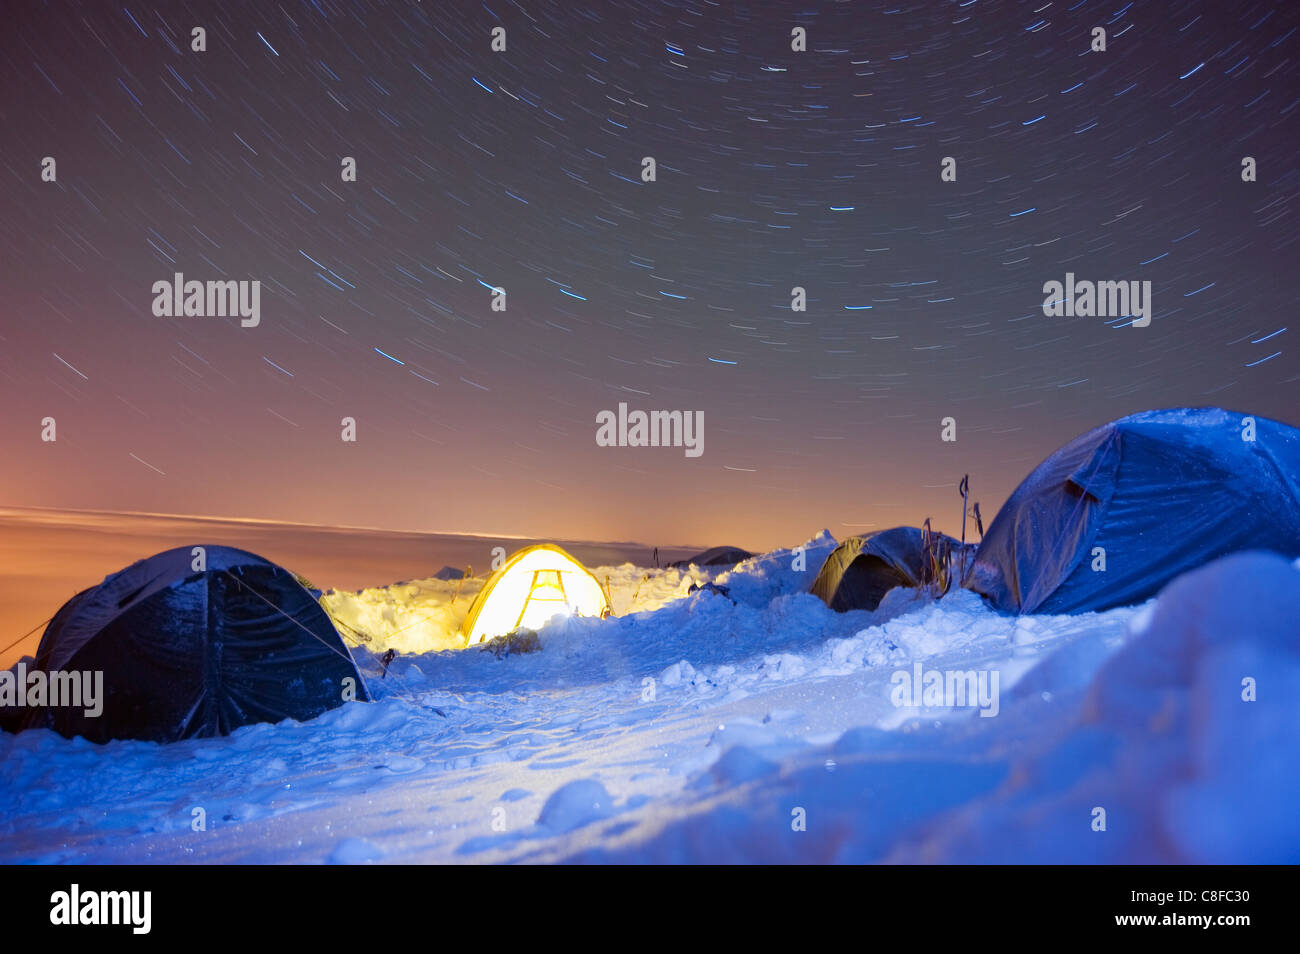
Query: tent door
[(547, 587)]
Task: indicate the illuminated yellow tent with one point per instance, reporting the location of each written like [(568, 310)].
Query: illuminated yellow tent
[(533, 585)]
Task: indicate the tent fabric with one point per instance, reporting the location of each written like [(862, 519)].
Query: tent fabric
[(188, 653), (715, 556), (860, 571), (1160, 492), (533, 585)]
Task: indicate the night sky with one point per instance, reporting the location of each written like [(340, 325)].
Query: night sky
[(522, 169)]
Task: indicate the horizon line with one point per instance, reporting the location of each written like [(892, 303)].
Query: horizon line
[(17, 508)]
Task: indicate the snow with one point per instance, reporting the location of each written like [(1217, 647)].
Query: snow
[(754, 727)]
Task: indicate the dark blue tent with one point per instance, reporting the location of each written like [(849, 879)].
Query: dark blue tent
[(1153, 495), (188, 652)]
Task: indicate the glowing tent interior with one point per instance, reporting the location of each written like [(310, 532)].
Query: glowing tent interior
[(533, 585)]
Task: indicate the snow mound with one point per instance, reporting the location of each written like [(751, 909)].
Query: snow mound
[(1180, 747), (355, 851), (576, 804)]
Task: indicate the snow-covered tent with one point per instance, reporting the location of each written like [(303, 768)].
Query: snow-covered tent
[(533, 585), (188, 652), (861, 570), (1116, 514)]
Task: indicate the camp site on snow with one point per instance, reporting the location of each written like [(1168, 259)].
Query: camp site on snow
[(1127, 539)]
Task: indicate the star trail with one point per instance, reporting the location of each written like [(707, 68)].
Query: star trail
[(497, 269)]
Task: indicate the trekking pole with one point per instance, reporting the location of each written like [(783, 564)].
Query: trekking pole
[(927, 564), (964, 490)]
